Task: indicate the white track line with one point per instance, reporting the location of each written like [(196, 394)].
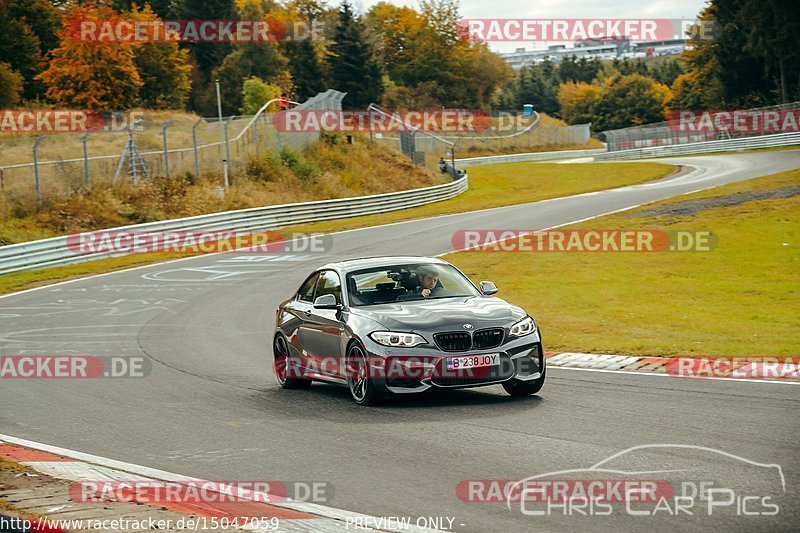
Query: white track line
[(152, 473), (664, 375)]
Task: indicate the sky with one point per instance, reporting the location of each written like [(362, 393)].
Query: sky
[(562, 9)]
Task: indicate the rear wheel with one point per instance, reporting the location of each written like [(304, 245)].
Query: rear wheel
[(285, 369), (361, 385), (516, 387)]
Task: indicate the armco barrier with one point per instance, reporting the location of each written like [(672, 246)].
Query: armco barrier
[(521, 158), (724, 145), (51, 252)]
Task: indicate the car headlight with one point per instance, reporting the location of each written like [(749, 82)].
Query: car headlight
[(526, 326), (396, 339)]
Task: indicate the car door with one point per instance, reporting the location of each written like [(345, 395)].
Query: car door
[(300, 310), (323, 329)]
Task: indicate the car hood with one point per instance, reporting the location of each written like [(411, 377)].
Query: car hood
[(445, 314)]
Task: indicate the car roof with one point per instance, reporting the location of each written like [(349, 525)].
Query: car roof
[(350, 265)]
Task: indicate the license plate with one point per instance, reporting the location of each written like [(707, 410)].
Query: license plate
[(473, 361)]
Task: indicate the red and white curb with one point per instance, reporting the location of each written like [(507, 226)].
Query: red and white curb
[(293, 516), (782, 369)]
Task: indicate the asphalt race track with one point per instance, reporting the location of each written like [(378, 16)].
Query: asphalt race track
[(210, 407)]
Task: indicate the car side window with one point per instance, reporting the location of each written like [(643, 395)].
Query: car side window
[(306, 292), (329, 283)]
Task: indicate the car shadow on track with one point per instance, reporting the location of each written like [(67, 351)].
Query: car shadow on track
[(323, 400)]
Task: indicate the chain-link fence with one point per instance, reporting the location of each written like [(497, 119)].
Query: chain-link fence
[(138, 145), (424, 148), (502, 133), (696, 126)]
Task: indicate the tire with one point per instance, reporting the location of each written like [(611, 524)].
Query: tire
[(518, 388), (363, 389), (282, 365)]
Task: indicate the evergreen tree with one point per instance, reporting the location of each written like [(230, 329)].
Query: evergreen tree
[(305, 67), (206, 56), (351, 58), (260, 59), (28, 31), (578, 70)]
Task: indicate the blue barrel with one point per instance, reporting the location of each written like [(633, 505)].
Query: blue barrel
[(527, 110)]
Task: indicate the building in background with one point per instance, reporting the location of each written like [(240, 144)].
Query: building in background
[(595, 48)]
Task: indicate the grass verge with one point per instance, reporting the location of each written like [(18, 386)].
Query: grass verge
[(490, 186), (739, 299)]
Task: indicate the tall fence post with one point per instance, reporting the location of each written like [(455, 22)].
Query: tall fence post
[(166, 150), (227, 150), (194, 143), (87, 179), (224, 126), (36, 169)]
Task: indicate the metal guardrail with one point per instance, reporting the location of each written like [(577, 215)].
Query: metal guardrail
[(532, 156), (724, 145), (676, 131), (54, 251)]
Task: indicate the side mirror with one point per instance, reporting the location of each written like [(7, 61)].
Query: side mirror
[(326, 301), (487, 288)]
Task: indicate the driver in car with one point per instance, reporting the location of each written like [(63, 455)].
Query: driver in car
[(428, 281)]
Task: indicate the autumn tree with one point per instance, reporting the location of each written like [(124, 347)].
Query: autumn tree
[(630, 100), (398, 29), (255, 93), (10, 86), (576, 101), (92, 75), (686, 95), (430, 53)]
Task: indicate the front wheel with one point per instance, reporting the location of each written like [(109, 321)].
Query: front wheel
[(516, 387), (359, 380), (285, 370)]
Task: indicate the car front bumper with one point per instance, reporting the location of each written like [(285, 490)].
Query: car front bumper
[(414, 370)]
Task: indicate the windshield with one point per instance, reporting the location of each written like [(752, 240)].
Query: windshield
[(407, 283)]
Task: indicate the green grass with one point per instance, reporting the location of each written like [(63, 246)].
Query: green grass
[(515, 183), (490, 186), (740, 299)]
